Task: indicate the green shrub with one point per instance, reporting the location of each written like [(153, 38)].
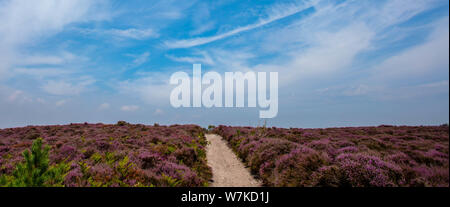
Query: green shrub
[(125, 167), (170, 182), (96, 157), (35, 170), (122, 123)]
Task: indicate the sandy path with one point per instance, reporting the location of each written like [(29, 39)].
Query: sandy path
[(227, 169)]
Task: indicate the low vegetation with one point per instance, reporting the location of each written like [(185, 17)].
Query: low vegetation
[(99, 155), (335, 157)]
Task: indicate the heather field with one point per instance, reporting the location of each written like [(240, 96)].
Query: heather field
[(128, 155), (358, 157), (104, 155)]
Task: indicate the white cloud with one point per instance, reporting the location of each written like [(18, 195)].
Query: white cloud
[(203, 58), (16, 95), (338, 48), (23, 20), (429, 57), (141, 59), (232, 60), (130, 33), (129, 108), (418, 71), (169, 9), (43, 60), (443, 84), (64, 57), (171, 14), (202, 19), (26, 22), (204, 27), (357, 90), (318, 45), (328, 52), (41, 100), (274, 15), (62, 87), (414, 91), (104, 106), (396, 11), (133, 33), (152, 89), (41, 72), (60, 103)]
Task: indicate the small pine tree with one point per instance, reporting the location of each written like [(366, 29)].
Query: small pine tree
[(35, 171), (32, 172)]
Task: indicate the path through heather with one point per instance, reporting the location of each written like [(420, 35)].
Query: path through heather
[(227, 169)]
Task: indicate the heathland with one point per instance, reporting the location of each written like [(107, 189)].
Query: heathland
[(354, 156), (135, 155)]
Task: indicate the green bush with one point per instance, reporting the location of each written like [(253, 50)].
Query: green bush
[(122, 123), (35, 170)]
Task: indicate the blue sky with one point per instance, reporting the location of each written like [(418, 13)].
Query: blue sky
[(340, 63)]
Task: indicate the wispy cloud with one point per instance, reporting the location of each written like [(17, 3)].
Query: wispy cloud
[(152, 88), (41, 72), (203, 28), (417, 61), (104, 106), (34, 59), (353, 30), (60, 103), (133, 33), (129, 108), (202, 19), (17, 95), (329, 54), (202, 57), (141, 59), (274, 16), (130, 33), (65, 87), (25, 22)]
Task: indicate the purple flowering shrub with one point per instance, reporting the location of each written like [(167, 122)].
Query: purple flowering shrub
[(299, 163), (116, 155), (362, 170), (351, 156)]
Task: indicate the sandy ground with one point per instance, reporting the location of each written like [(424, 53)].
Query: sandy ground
[(227, 169)]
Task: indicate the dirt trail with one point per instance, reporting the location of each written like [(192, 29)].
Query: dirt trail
[(227, 169)]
